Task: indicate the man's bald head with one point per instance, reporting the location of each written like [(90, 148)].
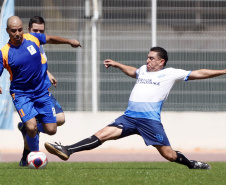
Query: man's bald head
[(15, 30), (13, 21)]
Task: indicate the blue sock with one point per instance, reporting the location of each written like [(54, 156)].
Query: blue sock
[(40, 128), (33, 142)]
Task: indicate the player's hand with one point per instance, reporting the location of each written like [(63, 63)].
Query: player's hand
[(74, 43), (109, 62), (53, 81), (0, 90)]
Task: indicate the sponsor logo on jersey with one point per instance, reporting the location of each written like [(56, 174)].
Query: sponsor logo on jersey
[(147, 81), (31, 49)]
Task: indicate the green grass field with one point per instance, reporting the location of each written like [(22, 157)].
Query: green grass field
[(121, 173)]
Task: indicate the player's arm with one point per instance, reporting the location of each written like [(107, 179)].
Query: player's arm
[(60, 40), (52, 79), (205, 73), (0, 90), (128, 70)]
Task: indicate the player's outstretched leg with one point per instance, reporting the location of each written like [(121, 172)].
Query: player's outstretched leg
[(64, 152)]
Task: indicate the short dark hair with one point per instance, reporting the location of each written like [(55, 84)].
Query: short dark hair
[(162, 53), (36, 19)]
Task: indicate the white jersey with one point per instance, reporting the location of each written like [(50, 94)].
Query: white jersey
[(43, 52), (151, 90)]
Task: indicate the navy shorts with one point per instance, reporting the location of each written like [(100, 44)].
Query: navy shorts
[(151, 131), (57, 106)]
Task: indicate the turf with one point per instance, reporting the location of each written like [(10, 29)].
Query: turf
[(120, 173)]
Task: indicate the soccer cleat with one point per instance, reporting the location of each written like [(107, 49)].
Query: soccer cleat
[(23, 163), (58, 150), (22, 129), (200, 165)]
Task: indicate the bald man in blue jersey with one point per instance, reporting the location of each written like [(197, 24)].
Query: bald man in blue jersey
[(29, 82)]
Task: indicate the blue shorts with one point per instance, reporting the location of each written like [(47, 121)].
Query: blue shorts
[(151, 131), (57, 106), (31, 105)]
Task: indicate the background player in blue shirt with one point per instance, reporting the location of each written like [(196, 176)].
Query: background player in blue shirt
[(29, 83), (142, 116)]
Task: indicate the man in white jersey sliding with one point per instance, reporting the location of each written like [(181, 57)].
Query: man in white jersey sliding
[(142, 116)]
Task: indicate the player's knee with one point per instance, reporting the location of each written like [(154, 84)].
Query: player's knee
[(31, 128), (60, 122), (101, 136), (108, 133), (60, 119), (51, 130)]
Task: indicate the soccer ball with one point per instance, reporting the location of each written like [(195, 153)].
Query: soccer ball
[(37, 160)]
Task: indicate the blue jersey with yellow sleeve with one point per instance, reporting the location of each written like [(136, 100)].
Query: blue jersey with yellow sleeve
[(25, 64)]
